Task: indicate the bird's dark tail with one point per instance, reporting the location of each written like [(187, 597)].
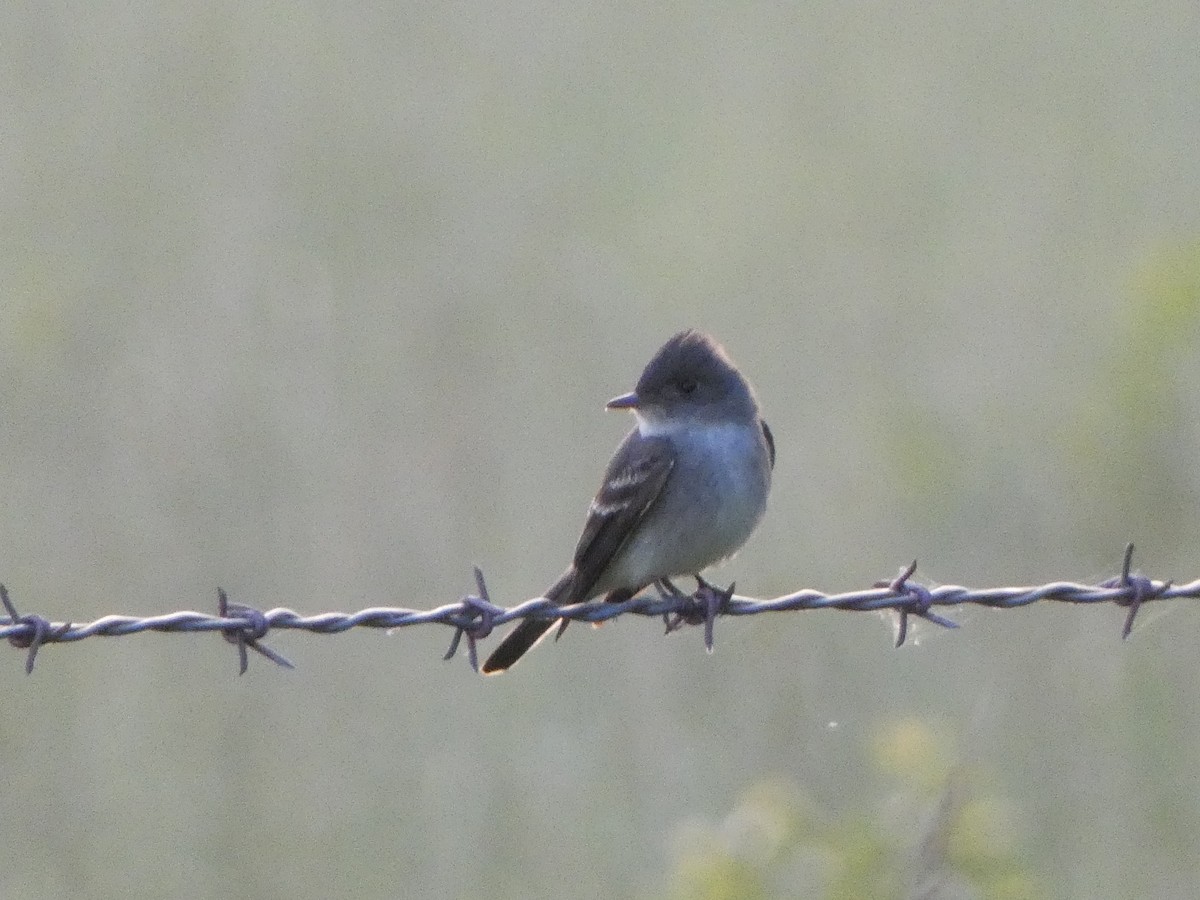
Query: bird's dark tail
[(521, 639), (516, 644)]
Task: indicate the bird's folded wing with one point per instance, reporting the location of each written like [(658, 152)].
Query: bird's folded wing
[(633, 483)]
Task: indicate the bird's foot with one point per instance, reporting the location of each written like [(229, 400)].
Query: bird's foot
[(703, 606)]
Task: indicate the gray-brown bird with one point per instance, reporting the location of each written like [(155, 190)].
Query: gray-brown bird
[(684, 489)]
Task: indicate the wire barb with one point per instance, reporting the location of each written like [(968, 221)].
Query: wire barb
[(40, 631), (480, 612), (700, 608), (476, 616), (1140, 587), (918, 600), (248, 635)]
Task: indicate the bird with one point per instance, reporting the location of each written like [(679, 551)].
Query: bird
[(683, 490)]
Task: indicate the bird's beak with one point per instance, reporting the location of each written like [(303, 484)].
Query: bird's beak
[(625, 401)]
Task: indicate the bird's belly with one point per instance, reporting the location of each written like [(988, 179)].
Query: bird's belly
[(696, 529)]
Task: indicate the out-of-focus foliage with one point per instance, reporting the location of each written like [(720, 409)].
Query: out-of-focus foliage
[(939, 832), (1140, 431)]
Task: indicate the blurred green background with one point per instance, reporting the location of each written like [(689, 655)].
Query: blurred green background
[(321, 303)]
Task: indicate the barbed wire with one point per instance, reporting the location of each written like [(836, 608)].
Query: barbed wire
[(475, 616)]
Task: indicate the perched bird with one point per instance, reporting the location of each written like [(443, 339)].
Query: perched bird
[(684, 489)]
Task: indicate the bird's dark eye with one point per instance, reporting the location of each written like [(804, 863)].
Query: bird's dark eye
[(687, 385)]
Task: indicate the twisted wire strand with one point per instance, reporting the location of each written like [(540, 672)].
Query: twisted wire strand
[(475, 616)]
